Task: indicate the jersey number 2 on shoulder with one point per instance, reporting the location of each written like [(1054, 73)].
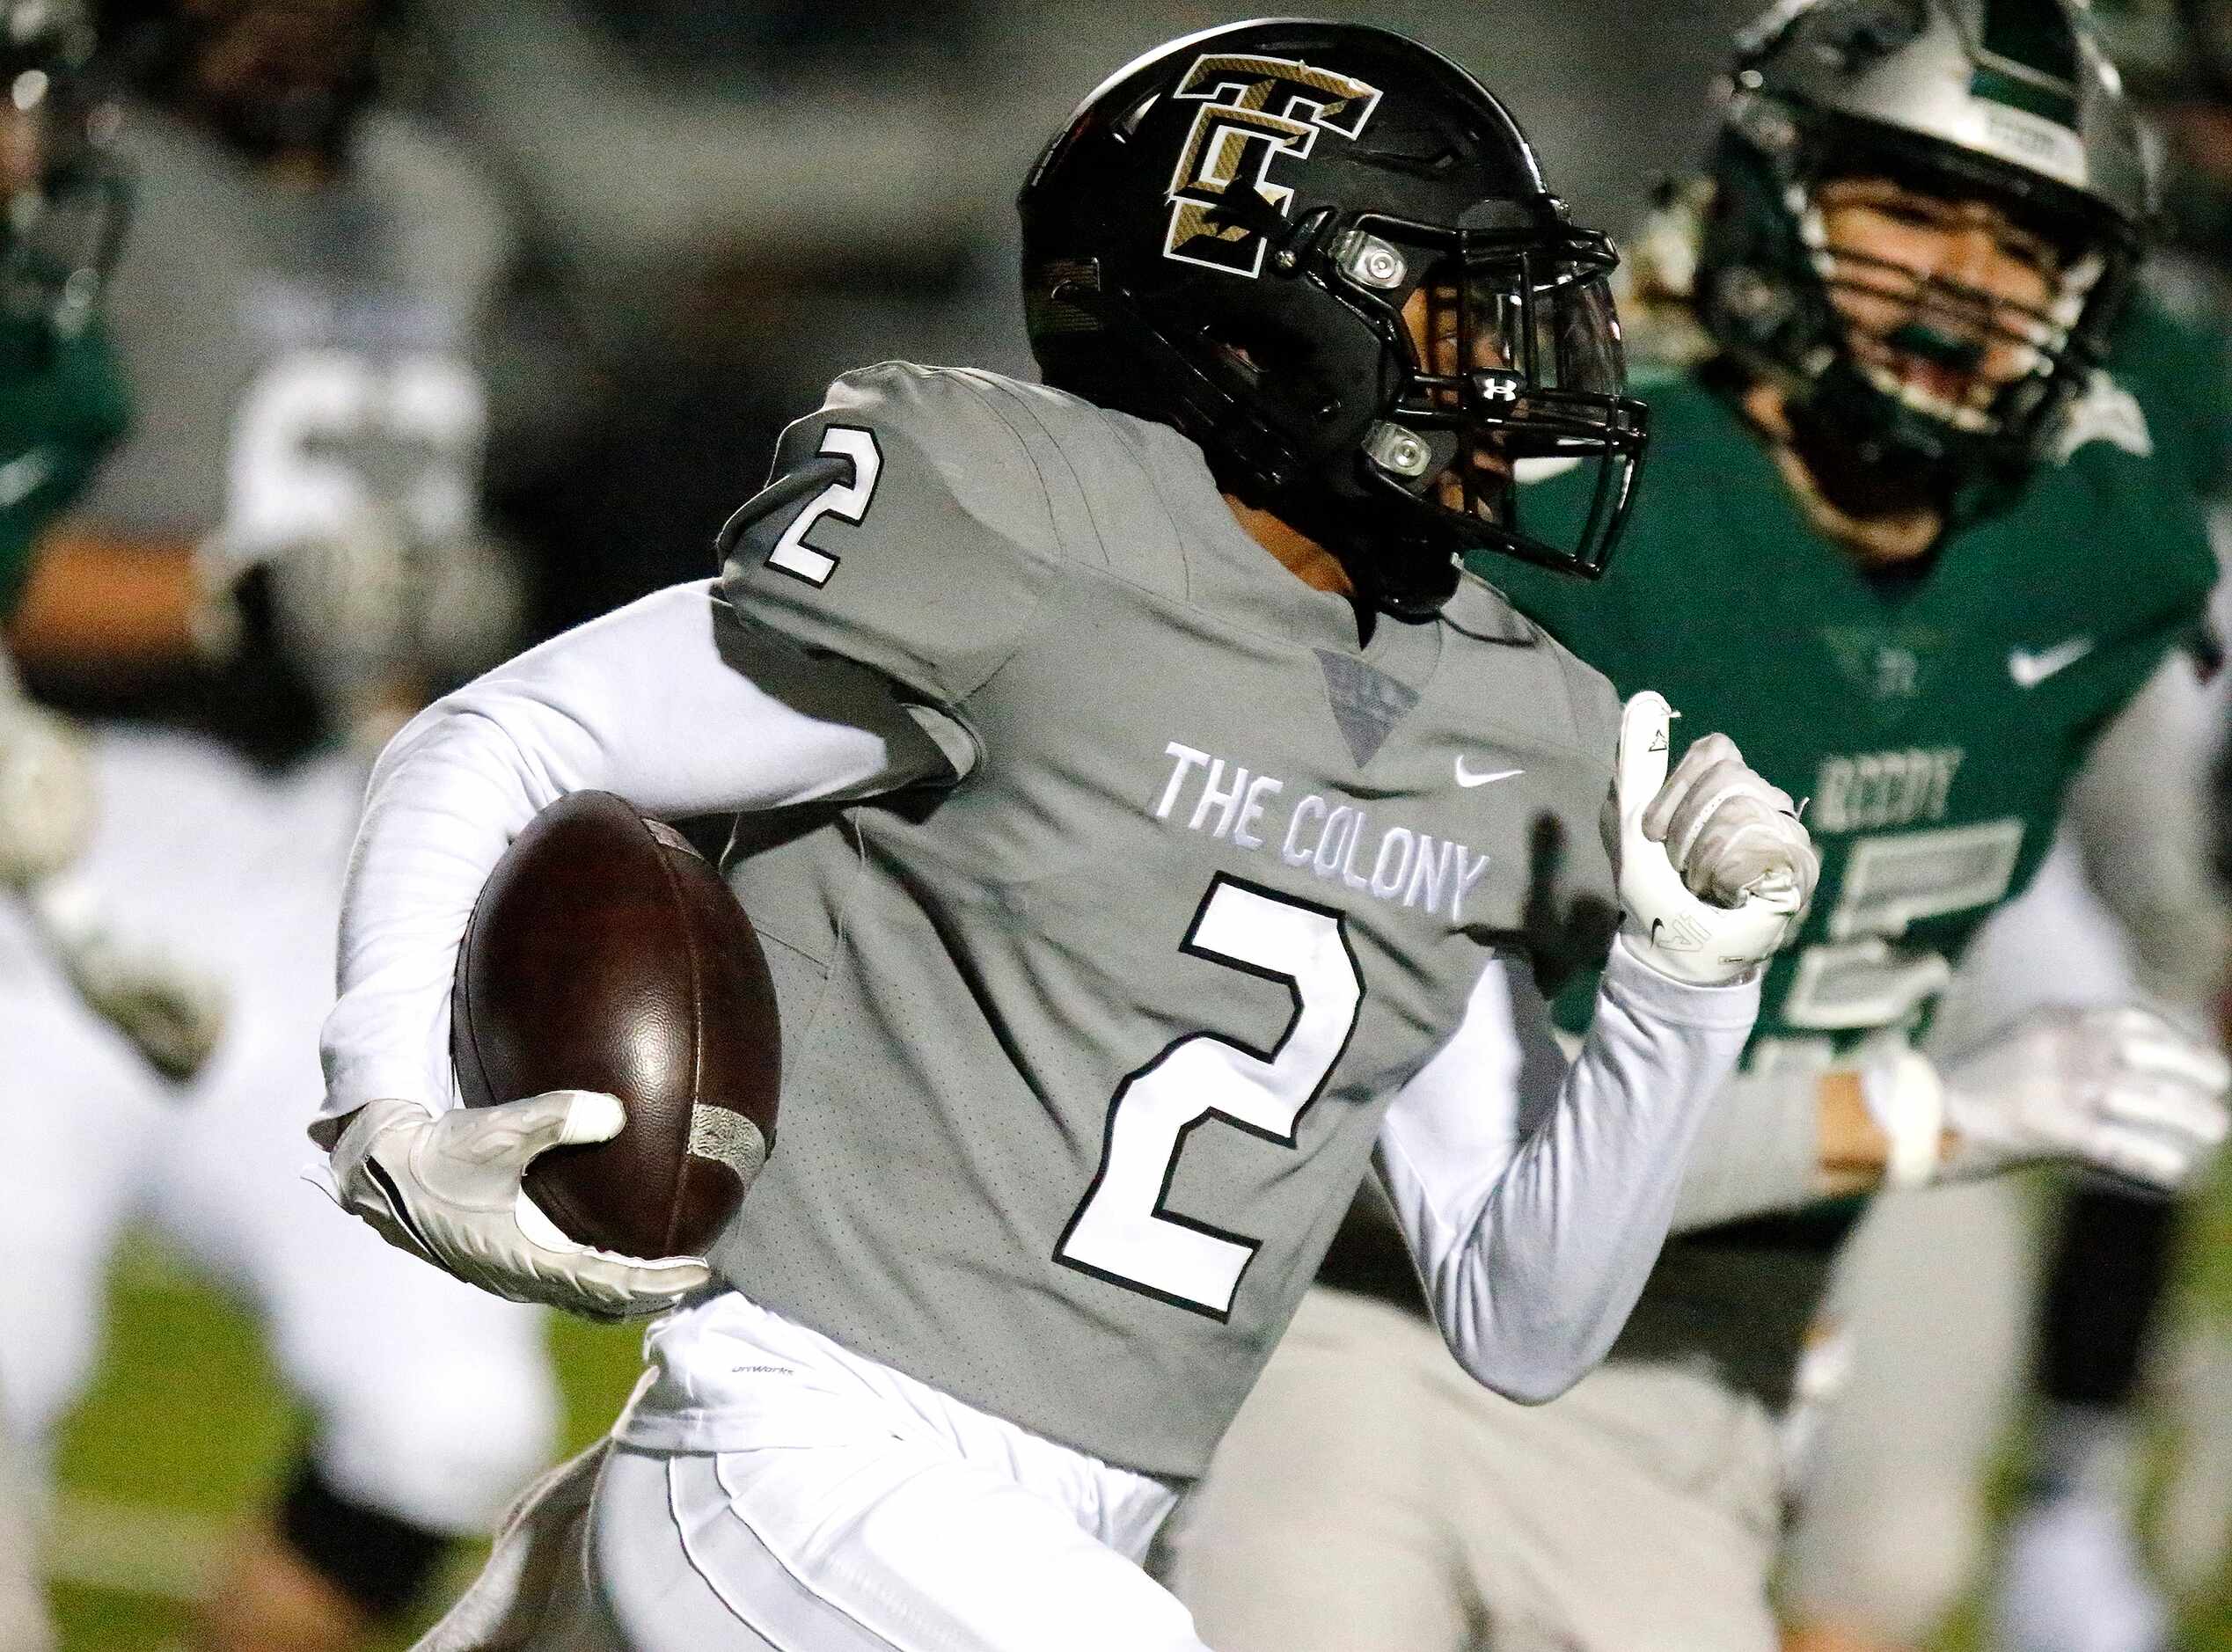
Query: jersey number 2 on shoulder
[(846, 500), (1124, 1232)]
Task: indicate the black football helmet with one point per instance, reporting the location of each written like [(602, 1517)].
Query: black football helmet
[(2008, 101), (1240, 235)]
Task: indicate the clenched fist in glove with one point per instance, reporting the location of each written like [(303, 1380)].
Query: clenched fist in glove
[(2119, 1090), (448, 1188), (1715, 868)]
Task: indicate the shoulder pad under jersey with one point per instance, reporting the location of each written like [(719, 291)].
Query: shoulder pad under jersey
[(906, 526)]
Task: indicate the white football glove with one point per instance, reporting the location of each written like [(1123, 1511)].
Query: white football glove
[(448, 1188), (2119, 1090), (172, 1009), (47, 791), (1715, 868), (375, 596)]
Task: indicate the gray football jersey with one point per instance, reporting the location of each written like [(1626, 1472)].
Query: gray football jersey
[(297, 353), (1085, 1053)]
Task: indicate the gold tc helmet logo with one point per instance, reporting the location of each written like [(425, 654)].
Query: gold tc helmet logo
[(1257, 108)]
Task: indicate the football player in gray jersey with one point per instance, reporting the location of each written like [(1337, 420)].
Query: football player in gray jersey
[(1153, 833)]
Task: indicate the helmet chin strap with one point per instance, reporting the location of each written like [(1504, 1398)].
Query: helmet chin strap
[(1409, 579), (1412, 587)]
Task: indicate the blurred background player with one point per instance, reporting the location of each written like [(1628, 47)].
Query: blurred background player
[(286, 557), (1873, 546), (1893, 1522), (61, 408)]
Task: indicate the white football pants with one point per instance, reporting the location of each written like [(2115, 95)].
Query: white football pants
[(1936, 1294), (433, 1401), (1372, 1497), (848, 1509)]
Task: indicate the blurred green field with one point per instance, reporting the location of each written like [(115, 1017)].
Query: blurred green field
[(184, 1431)]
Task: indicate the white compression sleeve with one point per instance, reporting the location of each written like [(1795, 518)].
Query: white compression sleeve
[(673, 703), (2138, 811), (1758, 1151), (1535, 1195)]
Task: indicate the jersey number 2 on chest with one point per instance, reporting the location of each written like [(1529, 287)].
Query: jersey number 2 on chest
[(1122, 1230)]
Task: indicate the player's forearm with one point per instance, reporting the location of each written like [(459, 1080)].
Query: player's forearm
[(1777, 1141), (670, 702), (2138, 813), (1533, 1262), (95, 599)]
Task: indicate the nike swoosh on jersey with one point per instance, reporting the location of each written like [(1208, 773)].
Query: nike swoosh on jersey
[(2029, 670), (1463, 779), (19, 475)]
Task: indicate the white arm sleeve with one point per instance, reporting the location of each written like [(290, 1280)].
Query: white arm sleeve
[(2138, 814), (1535, 1195), (673, 703), (1758, 1151)]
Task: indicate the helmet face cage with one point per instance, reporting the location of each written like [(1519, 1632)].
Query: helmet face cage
[(1522, 376), (1952, 322), (61, 245), (2057, 342)]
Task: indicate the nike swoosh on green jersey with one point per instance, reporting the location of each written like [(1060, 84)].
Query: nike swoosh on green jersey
[(2029, 670)]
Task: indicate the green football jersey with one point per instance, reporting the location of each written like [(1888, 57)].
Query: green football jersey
[(2179, 375), (62, 409), (1933, 721), (1083, 1057)]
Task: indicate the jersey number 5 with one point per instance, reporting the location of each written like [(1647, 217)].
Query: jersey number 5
[(1125, 1231), (1863, 976)]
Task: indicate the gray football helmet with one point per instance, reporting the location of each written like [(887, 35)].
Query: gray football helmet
[(2010, 101)]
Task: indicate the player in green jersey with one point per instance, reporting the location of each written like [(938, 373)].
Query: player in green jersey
[(63, 406), (1905, 541), (1944, 1359), (61, 402)]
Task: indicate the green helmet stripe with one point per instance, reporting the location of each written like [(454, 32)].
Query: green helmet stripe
[(2046, 102)]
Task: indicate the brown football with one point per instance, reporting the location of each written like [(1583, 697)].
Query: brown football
[(604, 953)]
